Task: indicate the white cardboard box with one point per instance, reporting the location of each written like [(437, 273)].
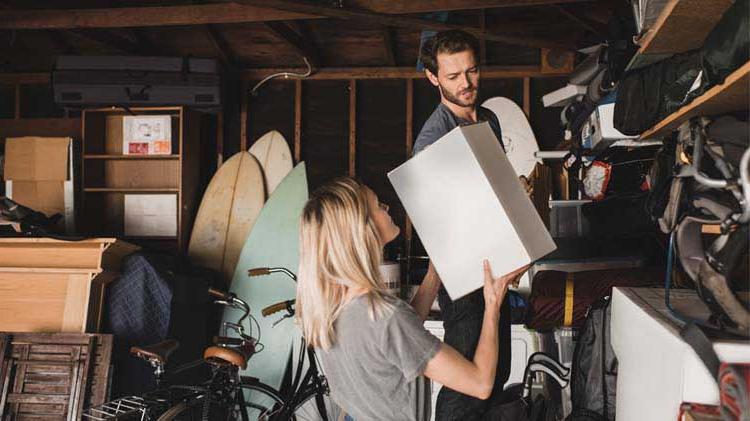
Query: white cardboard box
[(467, 204), (563, 96), (657, 369), (150, 215)]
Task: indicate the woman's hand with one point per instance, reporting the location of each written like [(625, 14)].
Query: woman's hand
[(495, 288)]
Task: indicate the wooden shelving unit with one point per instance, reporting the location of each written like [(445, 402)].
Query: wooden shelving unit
[(732, 95), (682, 26), (108, 175)]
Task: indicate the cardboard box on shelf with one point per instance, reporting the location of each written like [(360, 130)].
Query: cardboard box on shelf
[(467, 204), (147, 135), (39, 175), (150, 215)]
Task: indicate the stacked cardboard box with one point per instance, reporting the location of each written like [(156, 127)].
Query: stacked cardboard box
[(39, 175)]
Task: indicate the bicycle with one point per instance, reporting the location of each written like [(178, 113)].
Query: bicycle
[(226, 395)]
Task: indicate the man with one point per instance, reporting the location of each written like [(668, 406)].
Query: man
[(452, 65)]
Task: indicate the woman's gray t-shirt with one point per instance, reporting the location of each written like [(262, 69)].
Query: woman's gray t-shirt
[(375, 367)]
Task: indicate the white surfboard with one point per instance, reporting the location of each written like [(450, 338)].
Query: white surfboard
[(275, 158), (518, 138), (227, 213)]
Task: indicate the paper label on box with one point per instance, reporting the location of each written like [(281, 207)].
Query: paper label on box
[(150, 215), (147, 135)]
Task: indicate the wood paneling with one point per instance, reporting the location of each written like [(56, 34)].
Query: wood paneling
[(380, 143), (325, 130)]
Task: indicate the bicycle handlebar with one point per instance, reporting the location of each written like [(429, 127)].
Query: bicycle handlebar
[(221, 295), (275, 308)]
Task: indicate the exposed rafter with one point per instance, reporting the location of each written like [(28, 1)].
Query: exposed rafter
[(331, 73), (592, 26), (303, 45), (401, 21), (109, 39), (425, 6), (220, 44), (389, 45)]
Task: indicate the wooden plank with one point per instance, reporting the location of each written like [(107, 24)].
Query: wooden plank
[(72, 255), (352, 127), (730, 96), (527, 96), (297, 120), (302, 45), (592, 26), (362, 15), (346, 73), (24, 78), (109, 39), (220, 44), (219, 139), (408, 230), (128, 17), (243, 115), (221, 13), (17, 106), (389, 47), (130, 190), (424, 6), (683, 25)]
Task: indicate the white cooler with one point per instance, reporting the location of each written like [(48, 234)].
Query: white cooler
[(657, 369)]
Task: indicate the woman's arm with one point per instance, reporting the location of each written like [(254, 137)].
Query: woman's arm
[(475, 378), (425, 296)]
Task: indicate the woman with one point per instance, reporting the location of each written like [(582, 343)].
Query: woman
[(373, 346)]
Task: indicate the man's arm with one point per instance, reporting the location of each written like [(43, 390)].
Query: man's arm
[(476, 377), (425, 296)]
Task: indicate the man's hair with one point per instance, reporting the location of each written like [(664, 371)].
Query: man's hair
[(447, 42)]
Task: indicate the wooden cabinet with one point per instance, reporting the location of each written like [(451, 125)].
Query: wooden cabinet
[(49, 285), (109, 175)]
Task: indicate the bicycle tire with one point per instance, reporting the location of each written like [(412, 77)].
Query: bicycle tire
[(257, 404)]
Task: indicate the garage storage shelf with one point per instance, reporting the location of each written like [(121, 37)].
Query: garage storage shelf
[(732, 95), (682, 26), (108, 174)]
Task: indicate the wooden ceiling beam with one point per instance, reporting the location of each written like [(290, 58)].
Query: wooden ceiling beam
[(592, 26), (426, 6), (333, 73), (109, 39), (303, 45), (402, 22), (220, 44), (127, 17), (389, 46)]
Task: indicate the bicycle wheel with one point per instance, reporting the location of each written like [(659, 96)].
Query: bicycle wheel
[(261, 402)]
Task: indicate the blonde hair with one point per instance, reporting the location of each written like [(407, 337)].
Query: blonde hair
[(339, 248)]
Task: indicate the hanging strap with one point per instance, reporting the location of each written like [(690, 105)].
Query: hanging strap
[(568, 314), (694, 336)]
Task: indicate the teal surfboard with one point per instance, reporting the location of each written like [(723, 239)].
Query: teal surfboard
[(273, 241)]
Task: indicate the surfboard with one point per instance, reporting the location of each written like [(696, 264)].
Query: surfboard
[(275, 158), (272, 242), (518, 138), (230, 206)]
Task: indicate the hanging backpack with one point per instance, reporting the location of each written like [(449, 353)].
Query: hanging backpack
[(594, 376)]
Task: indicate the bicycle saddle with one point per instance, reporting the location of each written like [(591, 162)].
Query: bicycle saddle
[(158, 353), (227, 355)]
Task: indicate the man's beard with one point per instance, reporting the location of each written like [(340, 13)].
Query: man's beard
[(455, 99)]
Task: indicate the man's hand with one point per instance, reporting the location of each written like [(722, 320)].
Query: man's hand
[(495, 288)]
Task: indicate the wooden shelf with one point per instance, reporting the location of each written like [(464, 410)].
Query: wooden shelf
[(129, 190), (683, 25), (149, 238), (732, 95), (133, 157)]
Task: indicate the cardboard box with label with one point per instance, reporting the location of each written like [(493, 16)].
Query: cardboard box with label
[(147, 135), (151, 215), (467, 204), (39, 175)]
